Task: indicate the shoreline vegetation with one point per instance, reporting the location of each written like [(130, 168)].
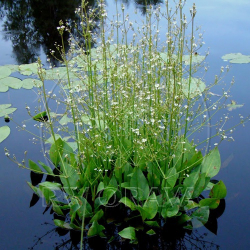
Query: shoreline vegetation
[(125, 159)]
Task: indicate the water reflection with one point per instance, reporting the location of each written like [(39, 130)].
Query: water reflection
[(32, 24)]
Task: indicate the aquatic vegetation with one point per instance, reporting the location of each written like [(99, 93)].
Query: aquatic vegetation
[(125, 139), (236, 58)]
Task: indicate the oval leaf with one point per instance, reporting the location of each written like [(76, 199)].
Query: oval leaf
[(4, 133)]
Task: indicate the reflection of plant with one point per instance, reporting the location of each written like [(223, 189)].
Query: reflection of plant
[(132, 108)]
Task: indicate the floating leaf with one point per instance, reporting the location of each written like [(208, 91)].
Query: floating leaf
[(195, 59), (4, 71), (233, 105), (28, 69), (3, 87), (65, 119), (236, 58), (197, 86), (12, 82), (29, 83), (13, 67), (4, 133), (58, 73), (6, 110)]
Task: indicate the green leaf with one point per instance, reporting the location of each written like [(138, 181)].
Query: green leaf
[(34, 167), (58, 73), (127, 202), (4, 133), (47, 168), (58, 151), (35, 189), (197, 86), (139, 185), (95, 229), (6, 110), (195, 59), (65, 119), (3, 87), (211, 163), (97, 216), (171, 207), (56, 208), (236, 58), (172, 176), (28, 69), (51, 185), (69, 177), (11, 82), (13, 67), (100, 187), (4, 71), (151, 206), (128, 233), (151, 232), (212, 203), (41, 117), (29, 83), (233, 105), (85, 209), (201, 214), (48, 194), (152, 223), (200, 185), (62, 224), (219, 191)]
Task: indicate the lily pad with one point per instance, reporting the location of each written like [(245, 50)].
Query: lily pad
[(3, 88), (13, 67), (58, 73), (197, 86), (4, 72), (29, 83), (65, 119), (233, 106), (28, 69), (195, 59), (236, 58), (4, 133), (6, 110), (12, 82)]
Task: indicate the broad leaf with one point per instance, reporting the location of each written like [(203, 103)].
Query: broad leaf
[(128, 233), (219, 191), (95, 229), (4, 133), (139, 185), (211, 163)]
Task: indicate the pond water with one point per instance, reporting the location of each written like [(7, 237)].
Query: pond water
[(22, 40)]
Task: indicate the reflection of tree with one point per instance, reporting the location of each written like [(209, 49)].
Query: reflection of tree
[(142, 4), (19, 28), (30, 24)]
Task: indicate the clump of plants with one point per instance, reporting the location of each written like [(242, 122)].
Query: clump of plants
[(123, 148)]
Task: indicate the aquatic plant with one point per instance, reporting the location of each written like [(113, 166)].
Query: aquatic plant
[(125, 139)]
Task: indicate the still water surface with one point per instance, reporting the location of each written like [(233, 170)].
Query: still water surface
[(227, 30)]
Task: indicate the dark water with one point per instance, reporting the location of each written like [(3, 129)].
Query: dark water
[(28, 30)]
